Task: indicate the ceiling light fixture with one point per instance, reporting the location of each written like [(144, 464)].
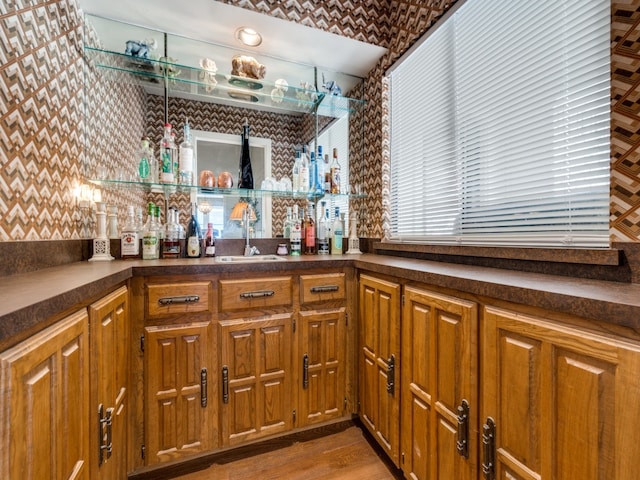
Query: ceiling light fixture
[(248, 36)]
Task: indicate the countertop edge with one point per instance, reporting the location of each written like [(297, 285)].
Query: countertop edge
[(26, 300)]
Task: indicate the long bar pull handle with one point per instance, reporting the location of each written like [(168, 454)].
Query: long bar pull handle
[(258, 294), (225, 384), (105, 444), (203, 388), (325, 288), (182, 299), (489, 449), (305, 371), (391, 369), (462, 443)]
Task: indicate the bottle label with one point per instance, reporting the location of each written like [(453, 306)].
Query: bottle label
[(150, 247), (310, 236), (186, 159), (210, 251), (193, 247), (323, 246), (129, 244)]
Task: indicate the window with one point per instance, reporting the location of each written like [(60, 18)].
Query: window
[(500, 127)]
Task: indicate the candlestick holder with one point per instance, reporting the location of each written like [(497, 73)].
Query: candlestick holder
[(354, 241), (101, 247)]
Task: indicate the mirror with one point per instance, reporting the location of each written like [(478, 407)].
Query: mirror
[(220, 152)]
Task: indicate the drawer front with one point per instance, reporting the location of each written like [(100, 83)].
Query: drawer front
[(173, 298), (320, 288), (255, 293)]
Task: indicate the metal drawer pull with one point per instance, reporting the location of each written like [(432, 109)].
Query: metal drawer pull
[(203, 387), (225, 384), (325, 288), (258, 294), (179, 300)]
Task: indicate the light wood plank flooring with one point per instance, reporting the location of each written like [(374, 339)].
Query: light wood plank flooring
[(343, 455)]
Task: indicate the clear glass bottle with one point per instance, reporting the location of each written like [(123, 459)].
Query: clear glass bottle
[(194, 245), (320, 175), (171, 243), (327, 174), (304, 171), (130, 237), (160, 230), (295, 239), (323, 230), (167, 156), (335, 173), (295, 172), (336, 234), (186, 155), (310, 232), (150, 239), (209, 242), (286, 229), (144, 164)]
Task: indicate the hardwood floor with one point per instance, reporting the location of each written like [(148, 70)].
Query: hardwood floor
[(343, 455)]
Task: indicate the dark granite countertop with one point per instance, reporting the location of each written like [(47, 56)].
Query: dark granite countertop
[(27, 300)]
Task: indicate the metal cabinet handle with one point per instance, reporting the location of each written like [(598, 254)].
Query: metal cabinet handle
[(462, 443), (325, 288), (179, 300), (489, 449), (203, 387), (305, 371), (258, 294), (391, 367), (225, 384), (105, 423)]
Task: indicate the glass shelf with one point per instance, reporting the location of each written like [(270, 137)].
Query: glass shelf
[(200, 84), (170, 189)]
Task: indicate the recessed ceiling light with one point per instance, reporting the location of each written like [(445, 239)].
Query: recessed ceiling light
[(248, 36)]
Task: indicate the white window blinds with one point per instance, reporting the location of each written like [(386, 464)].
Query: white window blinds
[(500, 127)]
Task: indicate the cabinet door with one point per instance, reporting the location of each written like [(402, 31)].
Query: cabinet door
[(380, 361), (564, 400), (109, 333), (44, 404), (180, 411), (256, 377), (439, 372), (322, 357)]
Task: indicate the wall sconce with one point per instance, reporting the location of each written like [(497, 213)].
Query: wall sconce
[(85, 197), (205, 208)]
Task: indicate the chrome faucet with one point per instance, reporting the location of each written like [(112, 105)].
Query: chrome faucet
[(249, 251)]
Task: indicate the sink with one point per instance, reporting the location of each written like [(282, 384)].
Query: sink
[(253, 259)]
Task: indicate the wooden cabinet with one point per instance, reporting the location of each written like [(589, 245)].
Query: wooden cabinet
[(179, 350), (322, 348), (256, 398), (563, 399), (44, 403), (379, 361), (439, 386), (109, 333), (181, 408)]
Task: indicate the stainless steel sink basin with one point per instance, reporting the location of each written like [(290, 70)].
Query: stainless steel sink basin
[(253, 259)]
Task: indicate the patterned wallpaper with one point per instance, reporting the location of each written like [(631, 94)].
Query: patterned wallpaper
[(43, 132)]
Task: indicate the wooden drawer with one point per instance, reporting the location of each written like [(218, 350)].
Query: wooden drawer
[(255, 293), (168, 299), (320, 288)]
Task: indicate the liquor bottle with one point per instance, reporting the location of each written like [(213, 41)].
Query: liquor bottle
[(160, 229), (320, 167), (209, 242), (304, 171), (303, 234), (194, 247), (336, 234), (150, 240), (171, 243), (310, 232), (313, 173), (286, 230), (167, 156), (295, 172), (144, 164), (335, 173), (245, 179), (130, 237), (327, 174), (323, 230), (296, 234), (186, 157)]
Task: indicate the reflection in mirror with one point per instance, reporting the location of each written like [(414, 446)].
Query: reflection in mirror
[(217, 153)]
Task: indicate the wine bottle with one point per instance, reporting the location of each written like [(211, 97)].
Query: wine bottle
[(246, 173), (209, 242), (194, 247)]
